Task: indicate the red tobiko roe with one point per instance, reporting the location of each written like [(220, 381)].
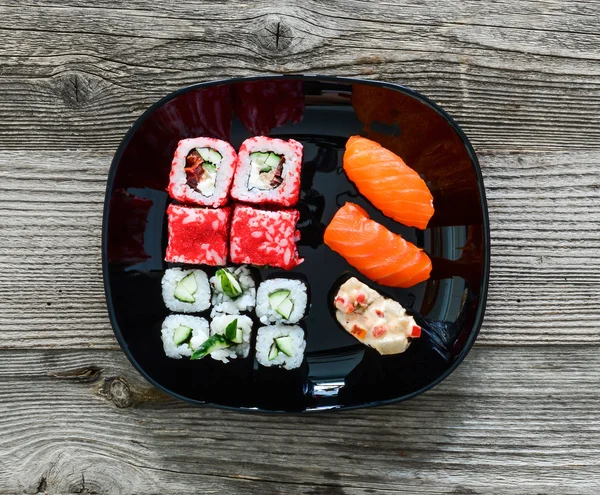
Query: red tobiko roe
[(198, 235), (264, 237)]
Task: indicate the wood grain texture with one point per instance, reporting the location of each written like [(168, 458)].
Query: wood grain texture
[(50, 225), (517, 75), (509, 420), (519, 416)]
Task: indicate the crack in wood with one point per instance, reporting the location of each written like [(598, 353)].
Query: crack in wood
[(42, 485), (87, 374)]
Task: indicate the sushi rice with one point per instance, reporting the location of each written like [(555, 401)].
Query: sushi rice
[(298, 297), (219, 324), (222, 303), (266, 338), (200, 333), (202, 296)]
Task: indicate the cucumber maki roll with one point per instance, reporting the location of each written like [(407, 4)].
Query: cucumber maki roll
[(237, 330), (233, 291), (281, 300), (280, 345), (182, 334), (186, 291)]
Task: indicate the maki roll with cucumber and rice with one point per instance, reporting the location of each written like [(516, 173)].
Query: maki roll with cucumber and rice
[(281, 300), (268, 171), (182, 334), (186, 291), (201, 171), (280, 345), (229, 338), (233, 290)]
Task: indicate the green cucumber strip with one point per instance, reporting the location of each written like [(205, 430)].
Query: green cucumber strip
[(284, 344), (229, 284), (273, 352), (211, 344), (189, 283), (264, 170), (209, 166), (277, 297), (273, 160), (285, 308), (182, 334), (231, 331), (182, 294), (258, 157), (210, 155)]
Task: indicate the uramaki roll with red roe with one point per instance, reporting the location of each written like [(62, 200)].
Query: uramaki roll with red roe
[(198, 236), (201, 171), (268, 172), (262, 237)]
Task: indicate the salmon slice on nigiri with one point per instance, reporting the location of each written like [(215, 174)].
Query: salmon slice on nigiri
[(381, 255), (387, 182)]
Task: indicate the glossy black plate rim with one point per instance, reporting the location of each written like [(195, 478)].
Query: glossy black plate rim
[(317, 78)]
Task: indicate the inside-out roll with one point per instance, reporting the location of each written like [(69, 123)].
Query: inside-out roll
[(201, 171)]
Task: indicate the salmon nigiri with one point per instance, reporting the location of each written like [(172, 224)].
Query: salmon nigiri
[(387, 182), (373, 250)]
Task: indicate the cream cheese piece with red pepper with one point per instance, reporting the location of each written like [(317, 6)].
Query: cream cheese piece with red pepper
[(374, 320)]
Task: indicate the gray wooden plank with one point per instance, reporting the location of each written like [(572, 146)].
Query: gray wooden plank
[(517, 75), (509, 420), (544, 211)]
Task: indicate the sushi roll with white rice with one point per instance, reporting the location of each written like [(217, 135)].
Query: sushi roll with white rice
[(229, 338), (268, 171), (201, 171), (182, 334), (281, 300), (280, 345), (234, 290), (186, 291)]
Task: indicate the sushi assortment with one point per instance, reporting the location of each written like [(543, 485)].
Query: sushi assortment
[(215, 313), (231, 291)]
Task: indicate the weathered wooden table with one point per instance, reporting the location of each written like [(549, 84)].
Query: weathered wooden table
[(521, 415)]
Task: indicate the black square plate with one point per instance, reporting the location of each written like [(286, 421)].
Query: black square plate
[(321, 113)]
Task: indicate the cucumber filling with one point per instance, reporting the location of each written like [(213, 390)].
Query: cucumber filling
[(266, 170), (273, 352), (281, 302), (230, 285), (182, 335), (201, 166), (234, 333), (186, 288), (211, 344), (285, 345)]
